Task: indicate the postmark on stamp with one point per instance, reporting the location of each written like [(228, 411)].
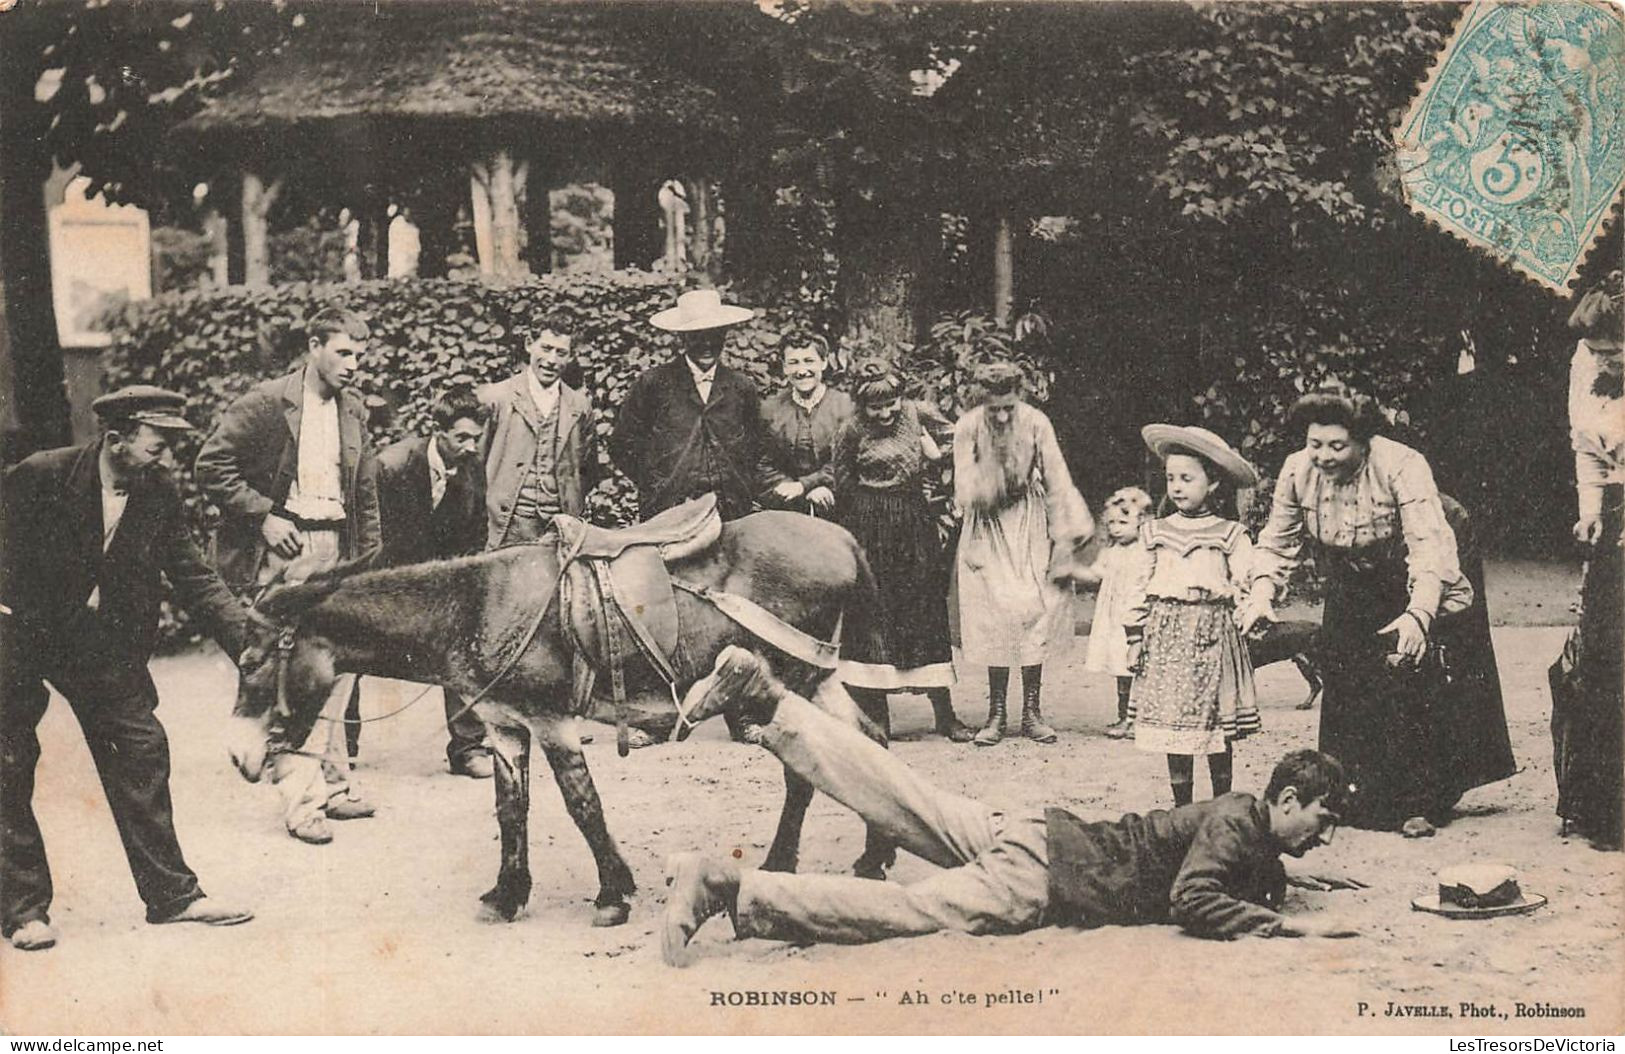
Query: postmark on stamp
[(1516, 142)]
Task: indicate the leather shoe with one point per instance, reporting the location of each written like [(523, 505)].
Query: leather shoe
[(474, 766), (349, 809), (33, 936), (208, 913), (314, 830)]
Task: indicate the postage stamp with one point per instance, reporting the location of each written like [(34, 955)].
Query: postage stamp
[(1516, 142)]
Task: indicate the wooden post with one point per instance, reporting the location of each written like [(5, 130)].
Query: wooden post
[(496, 207), (1004, 269), (258, 197)]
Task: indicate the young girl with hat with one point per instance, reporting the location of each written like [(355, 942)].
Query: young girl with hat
[(1193, 684)]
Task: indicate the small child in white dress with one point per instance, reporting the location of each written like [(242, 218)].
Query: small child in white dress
[(1116, 568)]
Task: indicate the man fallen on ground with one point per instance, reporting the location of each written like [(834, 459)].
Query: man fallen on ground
[(1213, 868)]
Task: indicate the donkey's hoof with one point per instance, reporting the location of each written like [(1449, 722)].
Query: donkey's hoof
[(611, 914), (495, 907), (785, 865)]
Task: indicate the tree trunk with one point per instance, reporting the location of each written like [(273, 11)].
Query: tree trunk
[(496, 198), (887, 252), (258, 197), (36, 397), (702, 247), (1004, 269), (637, 215), (374, 238)]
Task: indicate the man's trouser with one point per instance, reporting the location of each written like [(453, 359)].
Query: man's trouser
[(996, 877), (320, 773), (113, 700)]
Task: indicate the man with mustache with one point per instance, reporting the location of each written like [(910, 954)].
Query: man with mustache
[(692, 426), (431, 499), (1212, 868), (88, 530), (292, 471), (1024, 521)]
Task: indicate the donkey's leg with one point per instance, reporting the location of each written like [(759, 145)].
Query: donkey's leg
[(615, 883), (879, 852), (510, 752), (785, 851)]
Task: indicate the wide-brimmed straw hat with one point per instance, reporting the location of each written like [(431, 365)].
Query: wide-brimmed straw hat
[(1478, 891), (1188, 439), (700, 309)]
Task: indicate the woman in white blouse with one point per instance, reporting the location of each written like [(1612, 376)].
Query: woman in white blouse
[(1412, 705), (1588, 688)]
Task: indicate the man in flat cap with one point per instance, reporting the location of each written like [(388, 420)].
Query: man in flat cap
[(87, 532), (692, 425)]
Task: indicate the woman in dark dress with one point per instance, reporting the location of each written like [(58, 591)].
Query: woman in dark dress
[(1412, 704), (881, 461), (1588, 684)]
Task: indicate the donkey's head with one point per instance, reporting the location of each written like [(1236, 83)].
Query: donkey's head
[(285, 675)]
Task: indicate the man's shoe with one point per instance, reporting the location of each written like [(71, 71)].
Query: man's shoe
[(700, 887), (209, 913), (314, 830), (474, 766), (35, 935), (741, 684), (350, 808)]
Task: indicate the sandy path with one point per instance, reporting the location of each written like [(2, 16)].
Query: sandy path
[(377, 932)]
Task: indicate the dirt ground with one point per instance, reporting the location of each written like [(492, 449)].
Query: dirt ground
[(376, 933)]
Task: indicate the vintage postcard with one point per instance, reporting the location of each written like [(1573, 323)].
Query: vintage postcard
[(811, 517)]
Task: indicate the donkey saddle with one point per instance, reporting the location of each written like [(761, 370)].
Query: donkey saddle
[(619, 577)]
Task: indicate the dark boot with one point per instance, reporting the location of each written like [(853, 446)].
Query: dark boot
[(1181, 778), (1032, 719), (1220, 768), (1124, 726), (949, 726), (998, 684)]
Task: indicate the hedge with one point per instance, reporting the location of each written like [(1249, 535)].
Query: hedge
[(429, 334)]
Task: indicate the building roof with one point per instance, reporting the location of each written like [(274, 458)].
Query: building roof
[(543, 60)]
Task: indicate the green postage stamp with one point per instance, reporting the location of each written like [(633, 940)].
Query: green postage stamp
[(1516, 142)]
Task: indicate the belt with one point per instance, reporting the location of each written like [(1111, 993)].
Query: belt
[(309, 525)]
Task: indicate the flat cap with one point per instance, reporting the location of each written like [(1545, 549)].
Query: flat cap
[(146, 403)]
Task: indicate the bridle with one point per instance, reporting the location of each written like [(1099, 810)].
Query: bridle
[(288, 633)]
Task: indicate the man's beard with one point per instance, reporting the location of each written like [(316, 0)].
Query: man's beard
[(1609, 385)]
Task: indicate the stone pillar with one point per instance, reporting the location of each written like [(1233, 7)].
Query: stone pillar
[(258, 197), (1004, 269)]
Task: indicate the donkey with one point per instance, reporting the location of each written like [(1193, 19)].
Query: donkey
[(470, 624)]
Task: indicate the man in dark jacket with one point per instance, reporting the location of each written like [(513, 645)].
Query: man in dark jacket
[(431, 497), (1213, 868), (692, 426), (292, 471), (87, 532)]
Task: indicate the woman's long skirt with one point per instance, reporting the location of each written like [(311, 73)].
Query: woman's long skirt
[(1413, 740), (910, 567), (1588, 694)]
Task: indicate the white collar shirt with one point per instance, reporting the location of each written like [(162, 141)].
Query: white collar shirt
[(317, 493), (546, 397), (703, 379)]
